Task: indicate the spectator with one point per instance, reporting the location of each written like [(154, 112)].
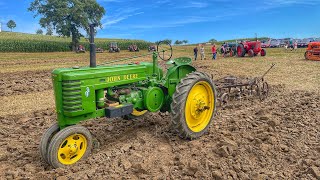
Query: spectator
[(195, 51), (214, 51), (295, 45), (202, 52)]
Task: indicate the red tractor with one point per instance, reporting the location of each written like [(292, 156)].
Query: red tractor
[(252, 48)]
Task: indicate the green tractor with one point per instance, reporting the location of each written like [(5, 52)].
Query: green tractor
[(129, 90)]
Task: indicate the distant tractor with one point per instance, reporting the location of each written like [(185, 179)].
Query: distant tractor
[(152, 48), (313, 51), (229, 48), (252, 48), (99, 50), (113, 47), (133, 48), (80, 49)]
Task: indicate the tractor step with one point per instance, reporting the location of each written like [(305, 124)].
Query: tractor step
[(118, 111)]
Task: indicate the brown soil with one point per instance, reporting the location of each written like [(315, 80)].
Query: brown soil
[(25, 82), (275, 139)]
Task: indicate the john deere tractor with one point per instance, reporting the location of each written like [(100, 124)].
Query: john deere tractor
[(130, 90)]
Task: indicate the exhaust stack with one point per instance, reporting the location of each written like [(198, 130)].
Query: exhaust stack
[(93, 62)]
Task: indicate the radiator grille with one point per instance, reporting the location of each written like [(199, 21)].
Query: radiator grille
[(71, 96)]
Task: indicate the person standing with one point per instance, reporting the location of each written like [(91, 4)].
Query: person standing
[(214, 52), (295, 45), (195, 51), (202, 52)]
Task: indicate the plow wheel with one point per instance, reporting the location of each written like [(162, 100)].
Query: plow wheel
[(241, 51), (224, 99), (193, 105), (45, 140), (264, 91), (250, 53), (68, 146)]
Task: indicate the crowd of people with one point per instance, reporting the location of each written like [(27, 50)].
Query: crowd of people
[(202, 52)]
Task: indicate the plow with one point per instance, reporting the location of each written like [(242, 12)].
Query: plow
[(130, 91), (236, 88)]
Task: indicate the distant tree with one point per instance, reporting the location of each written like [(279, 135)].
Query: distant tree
[(213, 41), (11, 24), (177, 42), (185, 41), (39, 31), (169, 41), (49, 31), (68, 17)]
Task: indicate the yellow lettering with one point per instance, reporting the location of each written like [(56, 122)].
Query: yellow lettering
[(124, 77)]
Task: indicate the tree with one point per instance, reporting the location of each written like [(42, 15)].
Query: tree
[(49, 31), (39, 31), (11, 24), (68, 17), (177, 42), (185, 41), (212, 41)]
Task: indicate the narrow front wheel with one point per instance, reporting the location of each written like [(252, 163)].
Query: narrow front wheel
[(69, 145)]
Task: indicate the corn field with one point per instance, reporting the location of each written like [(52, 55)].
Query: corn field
[(20, 42)]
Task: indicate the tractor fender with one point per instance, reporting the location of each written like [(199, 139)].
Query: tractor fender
[(174, 76)]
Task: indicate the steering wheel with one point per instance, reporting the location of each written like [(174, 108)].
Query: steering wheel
[(164, 50)]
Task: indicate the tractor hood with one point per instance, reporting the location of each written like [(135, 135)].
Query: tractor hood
[(106, 73)]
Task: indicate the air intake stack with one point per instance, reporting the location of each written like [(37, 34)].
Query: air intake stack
[(93, 62)]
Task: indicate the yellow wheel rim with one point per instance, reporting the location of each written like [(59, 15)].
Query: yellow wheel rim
[(199, 106), (138, 113), (72, 149)]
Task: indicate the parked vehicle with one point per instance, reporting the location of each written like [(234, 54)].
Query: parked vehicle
[(304, 43), (265, 43), (275, 43)]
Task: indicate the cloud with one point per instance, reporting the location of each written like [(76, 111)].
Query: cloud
[(291, 2), (194, 4), (120, 15)]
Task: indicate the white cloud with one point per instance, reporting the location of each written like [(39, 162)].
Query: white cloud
[(194, 4)]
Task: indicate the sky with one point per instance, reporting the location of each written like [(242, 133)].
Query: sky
[(192, 20)]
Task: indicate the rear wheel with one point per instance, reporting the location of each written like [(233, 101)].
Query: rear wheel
[(263, 52), (69, 145), (240, 50), (193, 105)]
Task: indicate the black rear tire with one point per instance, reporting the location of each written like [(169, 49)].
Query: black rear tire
[(179, 102), (241, 52)]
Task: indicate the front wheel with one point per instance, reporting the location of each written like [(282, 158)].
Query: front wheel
[(46, 139), (69, 145), (193, 105), (250, 53), (263, 52)]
